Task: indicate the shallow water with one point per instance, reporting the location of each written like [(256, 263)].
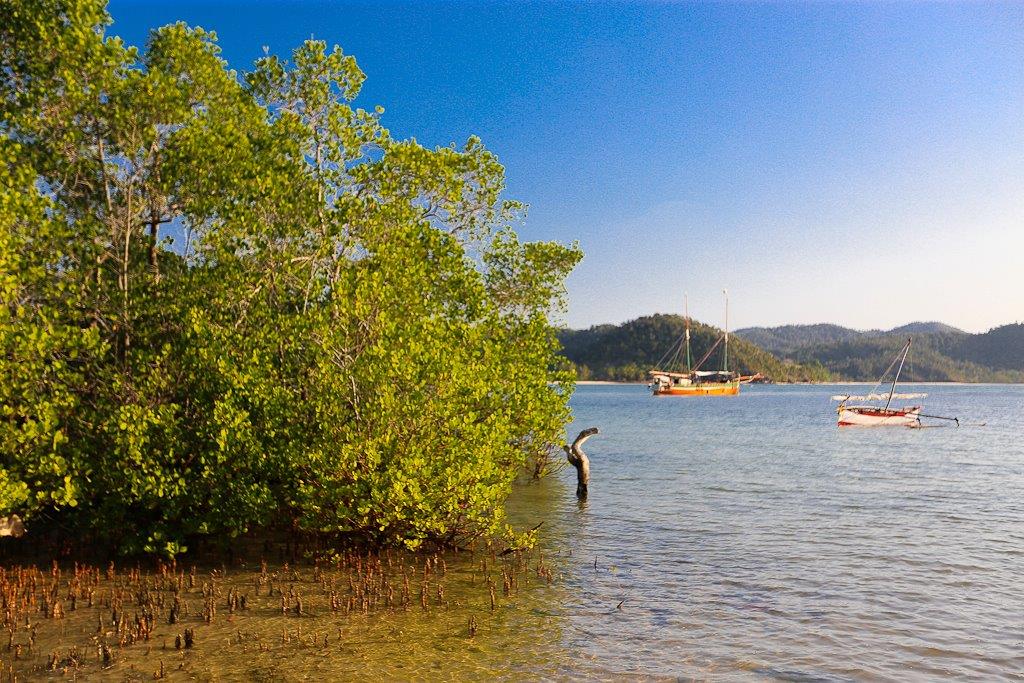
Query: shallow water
[(752, 538), (733, 538)]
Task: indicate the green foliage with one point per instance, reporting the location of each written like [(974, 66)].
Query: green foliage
[(350, 339), (45, 361), (625, 353)]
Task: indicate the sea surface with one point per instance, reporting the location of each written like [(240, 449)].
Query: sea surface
[(748, 538), (737, 538)]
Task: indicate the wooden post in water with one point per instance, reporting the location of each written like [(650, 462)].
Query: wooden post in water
[(578, 459)]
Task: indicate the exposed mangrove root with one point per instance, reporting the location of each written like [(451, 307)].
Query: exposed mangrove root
[(161, 618)]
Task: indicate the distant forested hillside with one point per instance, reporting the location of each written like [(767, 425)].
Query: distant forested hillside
[(940, 352), (626, 352), (1001, 348), (785, 340), (924, 328)]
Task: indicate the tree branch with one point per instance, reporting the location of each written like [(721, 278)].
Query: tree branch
[(578, 459)]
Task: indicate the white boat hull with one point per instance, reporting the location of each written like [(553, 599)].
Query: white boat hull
[(867, 416)]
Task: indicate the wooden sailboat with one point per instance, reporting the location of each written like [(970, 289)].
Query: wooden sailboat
[(884, 416), (694, 381)]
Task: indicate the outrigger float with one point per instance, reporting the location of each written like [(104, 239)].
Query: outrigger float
[(697, 382), (884, 416)]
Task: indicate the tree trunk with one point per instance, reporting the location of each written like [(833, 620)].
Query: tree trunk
[(154, 231), (578, 459)]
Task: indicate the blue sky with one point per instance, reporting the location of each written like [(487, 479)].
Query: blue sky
[(852, 163)]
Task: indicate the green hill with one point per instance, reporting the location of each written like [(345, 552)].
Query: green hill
[(626, 352), (926, 328), (1001, 348), (787, 338), (940, 352)]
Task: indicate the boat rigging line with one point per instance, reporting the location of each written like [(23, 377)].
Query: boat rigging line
[(906, 350), (708, 354), (884, 373)]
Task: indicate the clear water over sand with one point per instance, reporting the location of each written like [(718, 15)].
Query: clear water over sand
[(751, 538)]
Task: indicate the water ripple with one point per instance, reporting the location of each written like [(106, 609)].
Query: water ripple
[(749, 538)]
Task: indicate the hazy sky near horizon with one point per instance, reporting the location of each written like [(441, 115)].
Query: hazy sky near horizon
[(853, 163)]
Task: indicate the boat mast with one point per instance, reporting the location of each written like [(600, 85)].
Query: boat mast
[(725, 355), (686, 308), (906, 350)]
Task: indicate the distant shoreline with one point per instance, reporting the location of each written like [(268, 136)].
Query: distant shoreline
[(598, 382), (806, 353)]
